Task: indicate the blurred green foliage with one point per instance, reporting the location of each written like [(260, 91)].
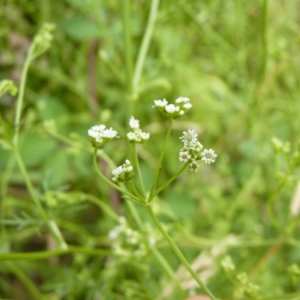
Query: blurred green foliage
[(236, 60)]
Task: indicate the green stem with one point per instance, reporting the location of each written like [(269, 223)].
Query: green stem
[(111, 183), (102, 205), (179, 254), (160, 259), (161, 158), (50, 223), (127, 40), (3, 190), (163, 186), (21, 97), (138, 169), (272, 198), (168, 270), (264, 39), (39, 255), (135, 214), (30, 286), (145, 45), (135, 191)]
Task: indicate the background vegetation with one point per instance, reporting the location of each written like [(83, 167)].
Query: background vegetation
[(238, 62)]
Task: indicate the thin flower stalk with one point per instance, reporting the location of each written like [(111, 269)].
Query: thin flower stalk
[(169, 181), (110, 182), (138, 169), (179, 254), (161, 158)]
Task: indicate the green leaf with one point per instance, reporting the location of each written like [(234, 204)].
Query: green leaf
[(50, 108), (181, 203), (36, 149), (56, 168), (80, 29), (83, 5)]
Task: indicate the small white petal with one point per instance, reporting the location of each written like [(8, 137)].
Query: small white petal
[(182, 100), (194, 166), (171, 108), (134, 123), (208, 156), (187, 105), (189, 138), (160, 103), (184, 156), (145, 136)]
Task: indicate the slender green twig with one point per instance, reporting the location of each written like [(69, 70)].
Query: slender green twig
[(161, 158), (38, 255), (102, 205), (179, 254), (160, 259), (25, 280), (135, 214), (145, 45), (21, 97), (168, 270), (111, 183), (127, 42), (138, 169), (264, 38), (50, 223), (3, 189), (272, 198), (135, 191), (164, 185)]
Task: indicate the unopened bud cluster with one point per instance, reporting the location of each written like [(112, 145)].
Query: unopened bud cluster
[(100, 135), (123, 173), (136, 135), (126, 241), (8, 86), (192, 151), (181, 106), (246, 288), (42, 40), (281, 146), (227, 264)]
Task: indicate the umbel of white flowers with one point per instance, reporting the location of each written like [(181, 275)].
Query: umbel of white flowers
[(191, 151), (181, 106), (100, 135), (136, 135), (123, 173)]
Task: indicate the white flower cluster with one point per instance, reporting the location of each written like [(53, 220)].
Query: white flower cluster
[(191, 151), (100, 135), (137, 135), (126, 241), (182, 105), (123, 173)]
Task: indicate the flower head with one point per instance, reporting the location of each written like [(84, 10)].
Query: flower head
[(182, 104), (137, 135), (184, 156), (189, 138), (123, 173), (208, 156), (100, 135), (171, 108), (134, 123), (160, 103), (191, 150), (194, 166)]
